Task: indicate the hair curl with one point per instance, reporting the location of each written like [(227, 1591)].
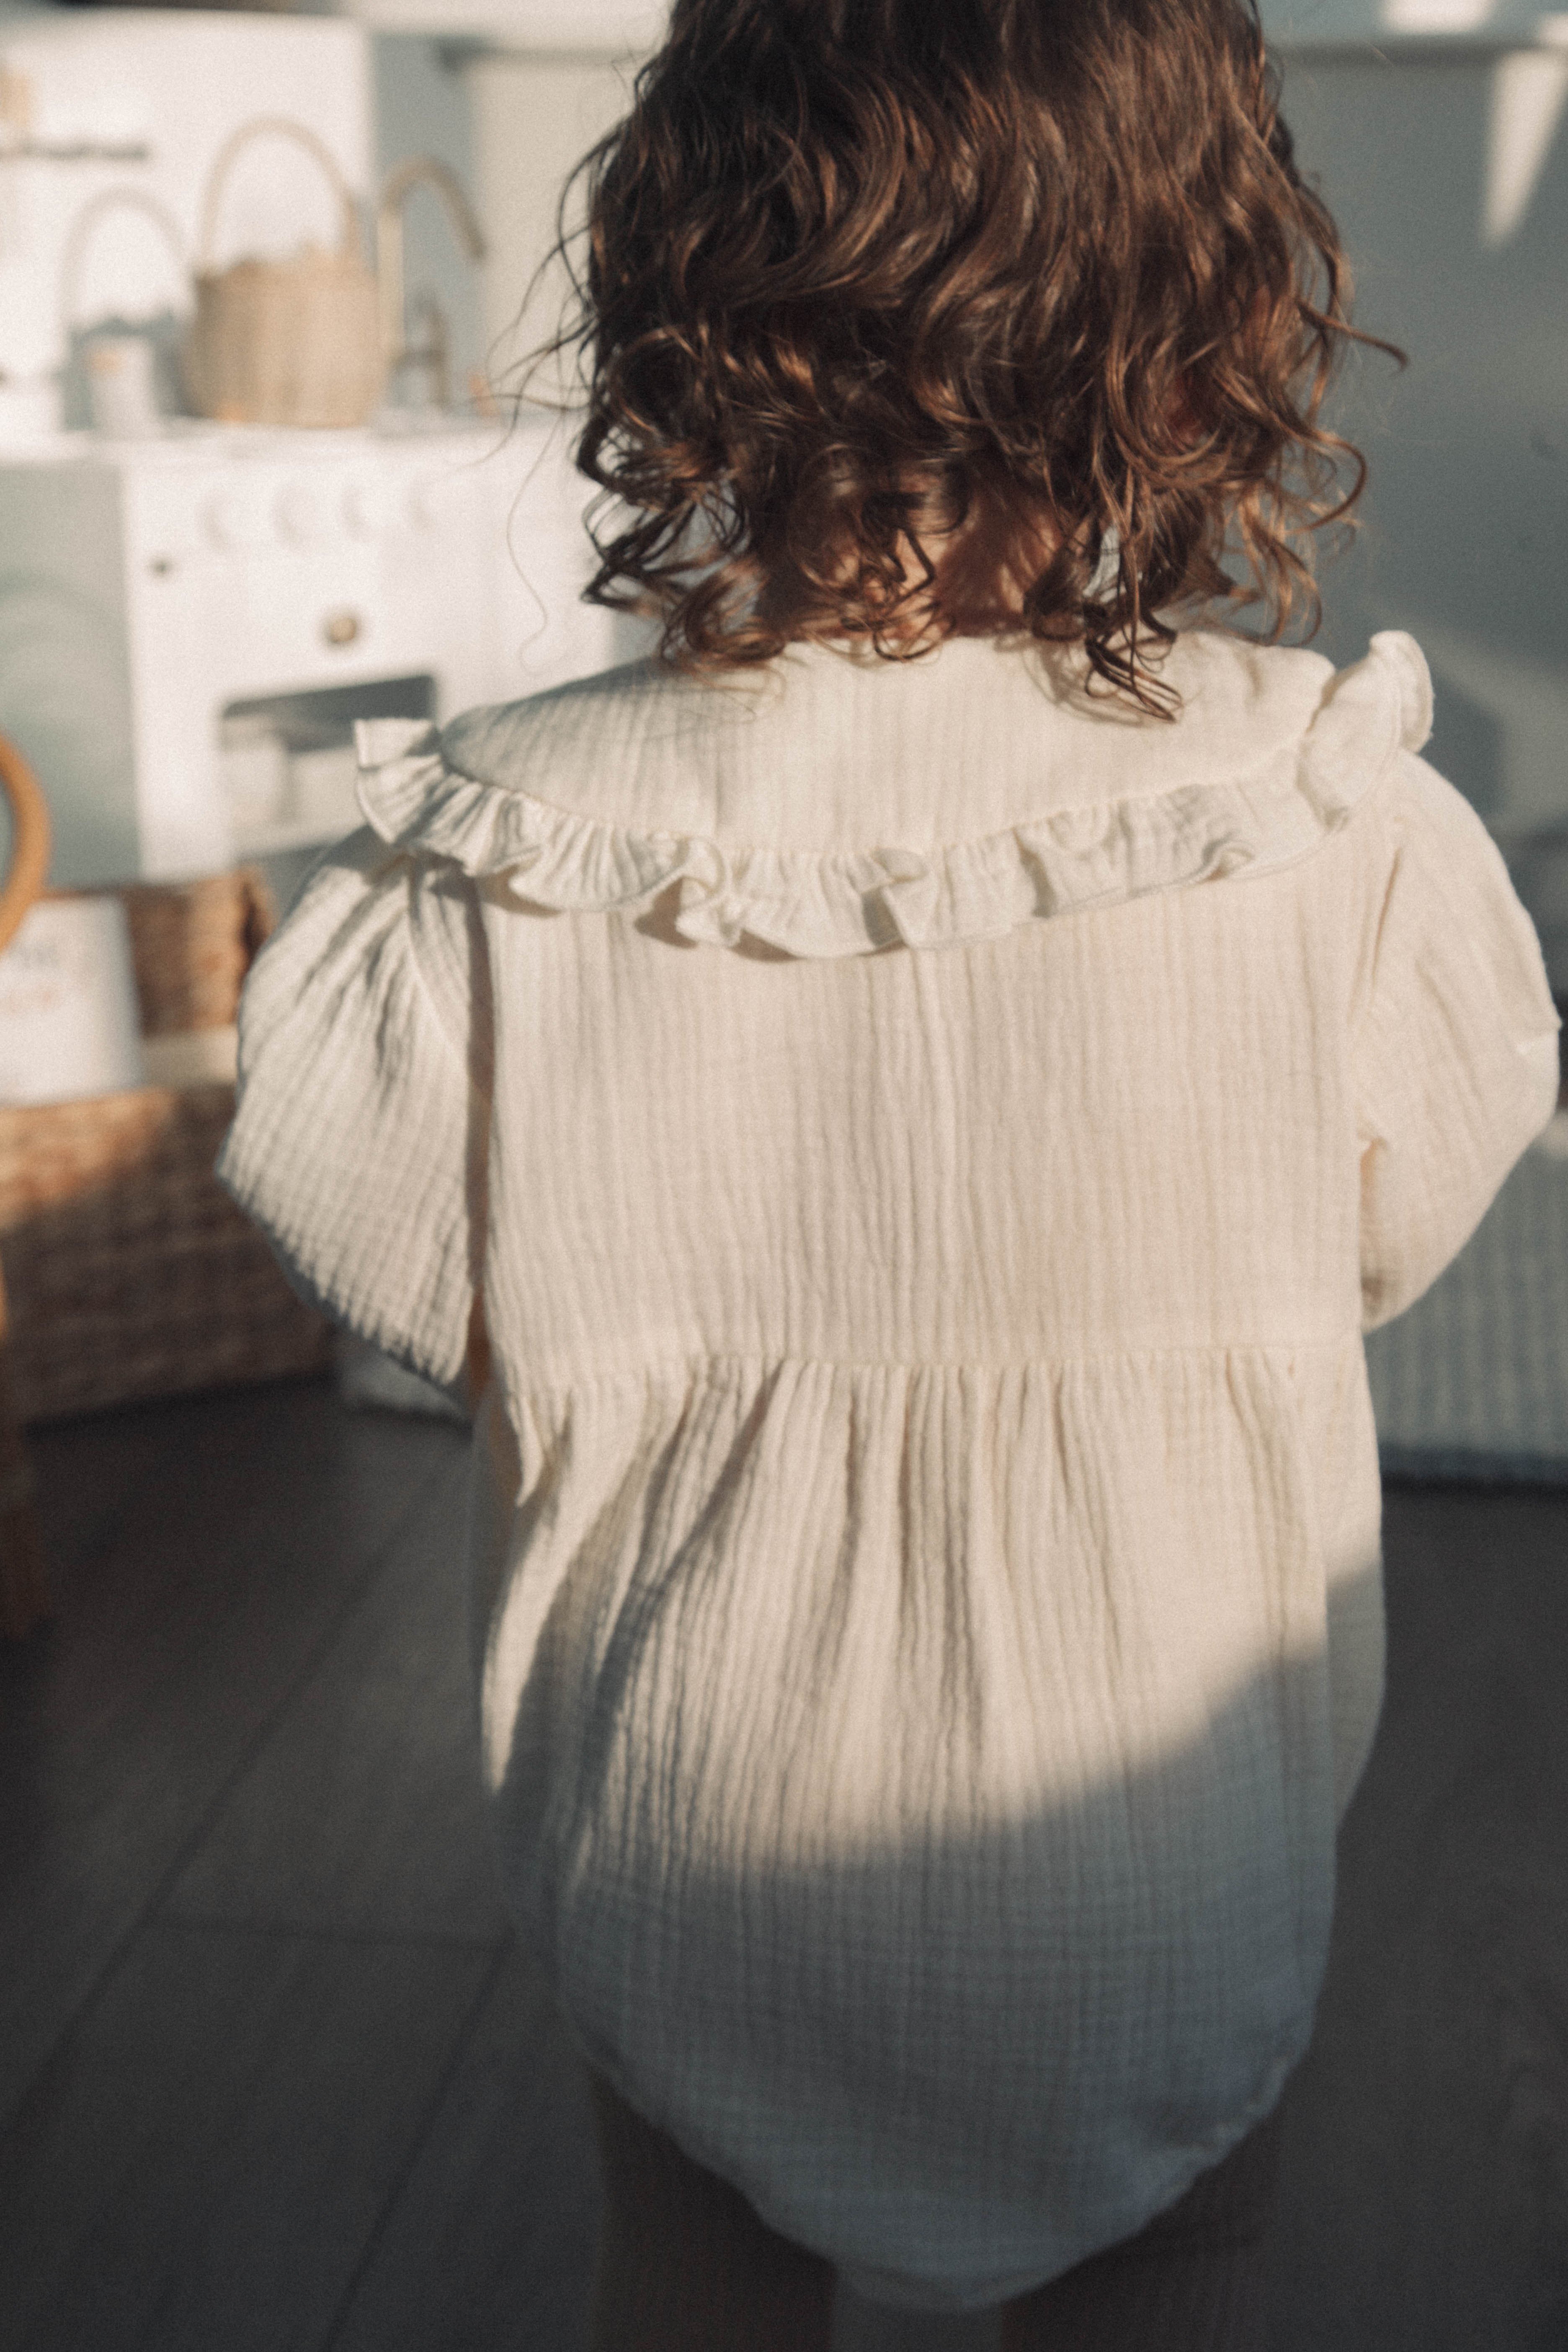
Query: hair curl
[(862, 272)]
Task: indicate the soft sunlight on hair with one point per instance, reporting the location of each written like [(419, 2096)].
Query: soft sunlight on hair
[(865, 277)]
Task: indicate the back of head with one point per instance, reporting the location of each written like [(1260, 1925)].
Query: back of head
[(905, 317)]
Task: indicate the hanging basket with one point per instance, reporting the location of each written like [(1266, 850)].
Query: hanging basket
[(294, 341)]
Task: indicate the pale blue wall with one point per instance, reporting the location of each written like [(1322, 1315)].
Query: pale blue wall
[(1466, 514)]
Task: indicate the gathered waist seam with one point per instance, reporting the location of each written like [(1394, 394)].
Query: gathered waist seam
[(699, 1359)]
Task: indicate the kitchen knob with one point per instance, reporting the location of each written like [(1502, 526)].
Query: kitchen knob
[(341, 628), (430, 502), (365, 508), (299, 513), (226, 520)]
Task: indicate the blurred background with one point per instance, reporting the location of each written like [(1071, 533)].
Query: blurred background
[(1440, 150), (272, 2070)]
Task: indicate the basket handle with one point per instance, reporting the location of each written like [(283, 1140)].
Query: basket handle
[(110, 200), (274, 125), (29, 840)]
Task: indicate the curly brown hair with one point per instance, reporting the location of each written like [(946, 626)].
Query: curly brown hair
[(868, 281)]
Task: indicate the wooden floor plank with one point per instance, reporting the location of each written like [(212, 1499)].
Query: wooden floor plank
[(204, 2159), (261, 2138), (1424, 2198), (361, 1812), (490, 2246), (872, 2328), (188, 1607)]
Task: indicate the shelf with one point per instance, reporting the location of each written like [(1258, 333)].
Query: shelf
[(584, 28), (1401, 30)]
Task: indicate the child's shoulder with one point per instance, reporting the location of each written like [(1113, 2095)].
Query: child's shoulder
[(1213, 668), (494, 741), (1245, 702), (598, 794), (1238, 701), (1234, 687)]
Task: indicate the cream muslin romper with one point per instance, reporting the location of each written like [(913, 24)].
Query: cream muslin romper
[(930, 1142)]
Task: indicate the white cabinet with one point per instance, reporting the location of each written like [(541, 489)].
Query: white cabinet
[(158, 598), (582, 26)]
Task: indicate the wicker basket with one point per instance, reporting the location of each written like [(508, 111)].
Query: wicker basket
[(285, 343), (130, 1273), (191, 944)]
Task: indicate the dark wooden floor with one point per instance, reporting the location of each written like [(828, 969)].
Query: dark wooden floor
[(273, 2075)]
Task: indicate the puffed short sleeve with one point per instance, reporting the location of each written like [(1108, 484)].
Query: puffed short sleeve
[(1456, 1050), (358, 1143)]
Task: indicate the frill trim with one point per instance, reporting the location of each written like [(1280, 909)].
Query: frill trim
[(851, 902)]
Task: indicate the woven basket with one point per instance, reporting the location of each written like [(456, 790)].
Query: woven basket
[(296, 341), (130, 1273), (191, 944)]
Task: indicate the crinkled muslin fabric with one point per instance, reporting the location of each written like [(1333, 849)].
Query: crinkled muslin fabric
[(929, 1141)]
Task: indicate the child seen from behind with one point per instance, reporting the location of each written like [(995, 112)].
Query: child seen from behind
[(903, 1106)]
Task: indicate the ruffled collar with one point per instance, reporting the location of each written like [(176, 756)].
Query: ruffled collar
[(851, 900)]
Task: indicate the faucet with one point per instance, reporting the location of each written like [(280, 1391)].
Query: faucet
[(433, 351)]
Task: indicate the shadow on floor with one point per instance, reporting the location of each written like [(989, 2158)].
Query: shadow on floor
[(274, 2074)]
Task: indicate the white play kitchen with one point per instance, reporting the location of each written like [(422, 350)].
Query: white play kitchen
[(194, 607), (253, 489)]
